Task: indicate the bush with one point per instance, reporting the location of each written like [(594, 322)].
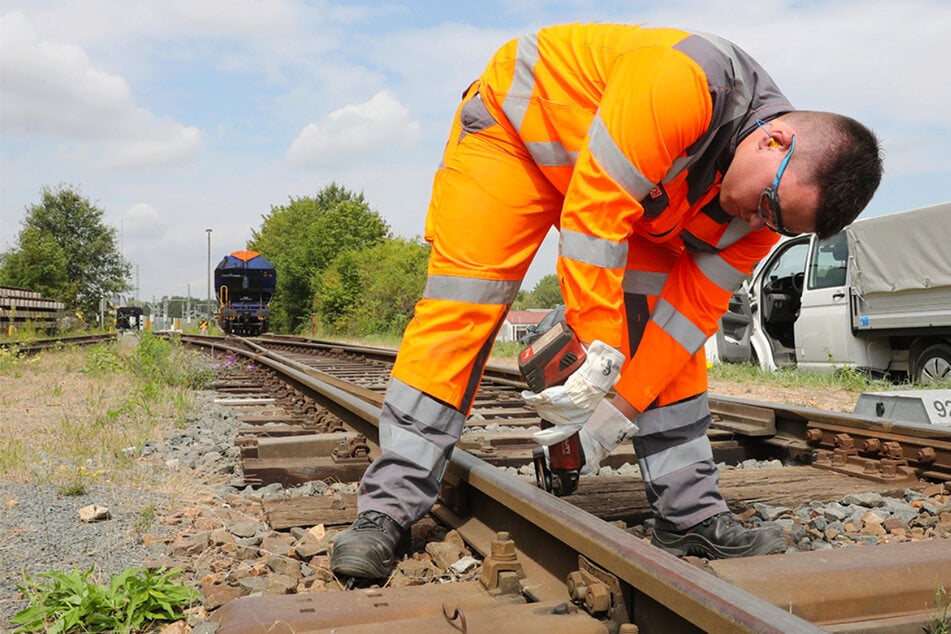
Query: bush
[(167, 363)]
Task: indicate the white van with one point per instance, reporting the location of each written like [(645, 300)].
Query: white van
[(876, 297)]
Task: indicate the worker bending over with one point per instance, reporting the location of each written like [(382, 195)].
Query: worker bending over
[(670, 162)]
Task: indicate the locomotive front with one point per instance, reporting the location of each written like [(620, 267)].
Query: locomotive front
[(245, 282)]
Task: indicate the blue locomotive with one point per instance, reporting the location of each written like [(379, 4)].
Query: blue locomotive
[(245, 282)]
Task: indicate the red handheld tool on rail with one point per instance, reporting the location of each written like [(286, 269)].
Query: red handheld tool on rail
[(548, 362)]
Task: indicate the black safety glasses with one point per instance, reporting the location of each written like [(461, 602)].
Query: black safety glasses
[(769, 209)]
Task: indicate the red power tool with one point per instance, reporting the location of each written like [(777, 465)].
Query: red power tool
[(548, 362)]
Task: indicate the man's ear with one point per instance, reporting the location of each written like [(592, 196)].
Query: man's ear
[(780, 135)]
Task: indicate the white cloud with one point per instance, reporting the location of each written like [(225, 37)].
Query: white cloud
[(371, 127), (142, 216), (869, 67), (231, 17), (157, 142), (93, 21), (56, 89)]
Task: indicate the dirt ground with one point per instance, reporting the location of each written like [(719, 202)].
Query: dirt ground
[(834, 400)]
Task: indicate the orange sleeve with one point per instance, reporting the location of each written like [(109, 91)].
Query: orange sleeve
[(656, 103), (694, 297)]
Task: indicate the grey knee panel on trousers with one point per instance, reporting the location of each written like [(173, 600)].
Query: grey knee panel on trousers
[(676, 460), (417, 436)]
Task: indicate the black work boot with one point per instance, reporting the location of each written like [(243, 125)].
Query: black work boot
[(720, 537), (368, 549)]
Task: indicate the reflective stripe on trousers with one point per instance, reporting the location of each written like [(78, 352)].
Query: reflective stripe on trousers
[(676, 460)]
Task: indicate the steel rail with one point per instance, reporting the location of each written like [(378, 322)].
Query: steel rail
[(926, 448), (700, 599), (38, 345)]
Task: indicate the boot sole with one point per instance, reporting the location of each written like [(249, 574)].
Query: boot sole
[(344, 566), (699, 546)]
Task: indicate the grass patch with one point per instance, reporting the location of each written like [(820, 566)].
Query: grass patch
[(940, 621), (377, 340), (77, 481), (87, 411), (70, 602), (144, 520), (9, 359), (848, 379), (160, 362)]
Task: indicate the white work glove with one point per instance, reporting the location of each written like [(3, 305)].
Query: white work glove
[(570, 405), (606, 429)]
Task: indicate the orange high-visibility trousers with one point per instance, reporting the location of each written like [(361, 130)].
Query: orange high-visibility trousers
[(491, 209)]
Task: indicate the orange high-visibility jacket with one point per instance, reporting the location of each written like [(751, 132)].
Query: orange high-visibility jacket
[(636, 127)]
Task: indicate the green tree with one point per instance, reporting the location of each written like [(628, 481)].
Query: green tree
[(374, 290), (336, 289), (302, 237), (547, 293), (66, 252), (523, 300), (39, 264)]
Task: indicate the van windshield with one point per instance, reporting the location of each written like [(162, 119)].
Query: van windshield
[(789, 263)]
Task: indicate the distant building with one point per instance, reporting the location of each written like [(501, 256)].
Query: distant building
[(517, 322)]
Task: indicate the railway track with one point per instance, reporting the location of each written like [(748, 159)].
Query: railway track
[(565, 563), (33, 346)]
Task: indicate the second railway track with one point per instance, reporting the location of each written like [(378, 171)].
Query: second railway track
[(566, 564)]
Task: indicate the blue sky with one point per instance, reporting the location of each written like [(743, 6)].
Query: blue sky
[(176, 116)]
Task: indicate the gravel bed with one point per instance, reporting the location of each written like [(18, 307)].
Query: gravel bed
[(41, 529)]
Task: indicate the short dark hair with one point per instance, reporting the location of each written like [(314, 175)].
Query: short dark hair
[(844, 159)]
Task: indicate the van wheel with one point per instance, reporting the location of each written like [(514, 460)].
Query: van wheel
[(934, 364)]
